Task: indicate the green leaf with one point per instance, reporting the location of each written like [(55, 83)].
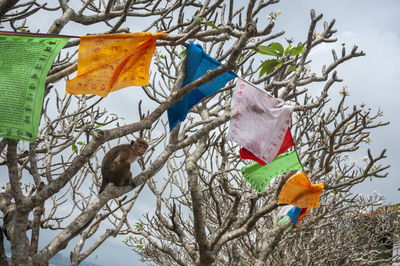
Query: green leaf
[(266, 50), (296, 50), (163, 56), (199, 19), (212, 25), (293, 68), (80, 143), (183, 53), (139, 226), (277, 47), (262, 71), (287, 49), (268, 66), (74, 148)]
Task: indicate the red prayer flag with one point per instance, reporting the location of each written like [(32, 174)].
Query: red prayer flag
[(286, 144)]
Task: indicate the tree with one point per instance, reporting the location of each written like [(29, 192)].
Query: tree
[(351, 236), (205, 211)]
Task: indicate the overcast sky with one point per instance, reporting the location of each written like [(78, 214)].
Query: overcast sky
[(373, 80)]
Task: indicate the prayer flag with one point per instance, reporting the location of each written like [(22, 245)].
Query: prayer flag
[(259, 121), (299, 192), (286, 144), (284, 210), (197, 64), (25, 60), (259, 176), (111, 62), (283, 220)]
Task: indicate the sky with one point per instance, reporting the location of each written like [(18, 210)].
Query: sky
[(372, 79)]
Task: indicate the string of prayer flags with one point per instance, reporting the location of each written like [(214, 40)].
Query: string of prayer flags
[(111, 62), (25, 60), (299, 191), (260, 176), (286, 144), (197, 64), (297, 214), (259, 121), (292, 213)]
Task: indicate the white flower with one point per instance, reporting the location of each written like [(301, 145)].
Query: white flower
[(365, 158), (368, 140), (344, 91)]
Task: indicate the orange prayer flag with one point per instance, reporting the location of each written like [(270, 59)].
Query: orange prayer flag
[(299, 192), (111, 62)]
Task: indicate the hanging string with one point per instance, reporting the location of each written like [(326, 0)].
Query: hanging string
[(251, 84), (37, 34)]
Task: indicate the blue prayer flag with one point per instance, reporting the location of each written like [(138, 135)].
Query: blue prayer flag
[(197, 64), (294, 214)]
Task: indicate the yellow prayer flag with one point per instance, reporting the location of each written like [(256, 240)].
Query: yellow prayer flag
[(299, 192), (111, 62)]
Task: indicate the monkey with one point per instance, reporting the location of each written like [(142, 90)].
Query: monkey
[(116, 164), (116, 168)]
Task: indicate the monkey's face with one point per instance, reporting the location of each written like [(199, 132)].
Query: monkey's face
[(141, 147)]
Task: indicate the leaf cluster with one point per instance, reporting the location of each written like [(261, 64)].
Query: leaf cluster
[(282, 54)]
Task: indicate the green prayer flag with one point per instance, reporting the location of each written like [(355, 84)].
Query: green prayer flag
[(283, 220), (259, 176), (25, 60)]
